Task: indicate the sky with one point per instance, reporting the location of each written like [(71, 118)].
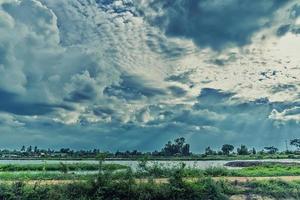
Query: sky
[(133, 74)]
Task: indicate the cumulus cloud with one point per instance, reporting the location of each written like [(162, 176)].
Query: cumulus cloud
[(287, 115), (36, 70), (211, 23)]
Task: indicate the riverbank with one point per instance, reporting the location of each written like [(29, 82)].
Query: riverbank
[(82, 171), (195, 157)]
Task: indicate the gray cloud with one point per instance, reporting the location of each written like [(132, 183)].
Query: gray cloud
[(282, 30), (211, 23), (132, 88), (177, 91), (103, 72)]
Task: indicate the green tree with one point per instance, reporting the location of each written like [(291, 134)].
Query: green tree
[(179, 147), (296, 143), (253, 151), (243, 150), (227, 148), (185, 150), (271, 149), (209, 151), (35, 149), (29, 149), (23, 148)]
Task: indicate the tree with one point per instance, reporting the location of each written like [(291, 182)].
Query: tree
[(253, 151), (35, 149), (64, 150), (29, 149), (180, 141), (271, 149), (23, 148), (186, 150), (178, 148), (296, 143), (227, 148), (243, 150), (209, 151)]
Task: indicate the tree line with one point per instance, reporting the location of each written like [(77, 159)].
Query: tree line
[(178, 148), (228, 149)]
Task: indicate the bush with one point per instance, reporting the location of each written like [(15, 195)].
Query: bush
[(216, 171)]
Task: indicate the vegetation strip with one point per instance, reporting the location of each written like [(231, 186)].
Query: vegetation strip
[(152, 182), (176, 150), (59, 167)]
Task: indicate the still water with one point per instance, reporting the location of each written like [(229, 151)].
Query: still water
[(134, 164)]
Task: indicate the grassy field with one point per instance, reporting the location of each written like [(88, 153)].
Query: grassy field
[(41, 182), (68, 171), (255, 171), (26, 176), (104, 186), (59, 167)]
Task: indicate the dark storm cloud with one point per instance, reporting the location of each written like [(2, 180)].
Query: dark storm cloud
[(12, 103), (282, 30), (177, 91), (103, 111), (210, 96), (213, 23), (183, 78), (85, 92), (132, 88), (290, 27)]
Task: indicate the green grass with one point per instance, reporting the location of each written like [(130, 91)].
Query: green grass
[(256, 171), (274, 188), (59, 167), (111, 184), (103, 187), (106, 189), (269, 170), (36, 172), (26, 176)]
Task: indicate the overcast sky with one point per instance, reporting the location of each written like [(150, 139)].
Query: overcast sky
[(133, 74)]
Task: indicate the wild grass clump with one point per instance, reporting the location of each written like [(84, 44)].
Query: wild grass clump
[(217, 171), (275, 188)]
